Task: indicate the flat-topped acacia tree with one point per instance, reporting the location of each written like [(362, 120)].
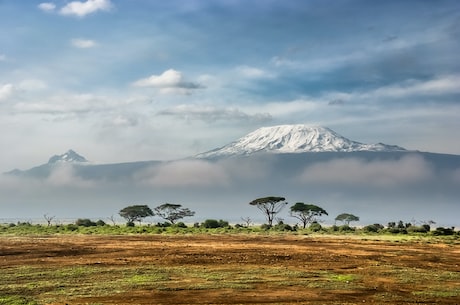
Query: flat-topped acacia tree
[(270, 206), (346, 218), (134, 213), (173, 212), (306, 213)]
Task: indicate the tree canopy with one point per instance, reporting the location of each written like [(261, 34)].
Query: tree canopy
[(173, 212), (306, 213), (134, 213), (270, 206), (347, 218)]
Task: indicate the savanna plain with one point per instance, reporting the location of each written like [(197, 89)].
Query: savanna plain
[(216, 268)]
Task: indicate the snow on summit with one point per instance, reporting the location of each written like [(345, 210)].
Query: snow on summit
[(69, 156), (294, 139)]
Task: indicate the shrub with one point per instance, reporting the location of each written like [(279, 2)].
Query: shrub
[(210, 224), (180, 225), (346, 228), (443, 231), (71, 227), (100, 223), (282, 227), (315, 227), (416, 229), (85, 222), (265, 226), (223, 224), (130, 224), (376, 227)]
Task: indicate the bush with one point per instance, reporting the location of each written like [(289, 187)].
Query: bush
[(100, 223), (346, 228), (210, 224), (265, 226), (444, 231), (282, 227), (315, 227), (180, 225), (376, 227), (85, 222), (417, 229), (71, 227), (130, 224)]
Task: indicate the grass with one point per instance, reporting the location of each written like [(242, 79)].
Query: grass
[(49, 284)]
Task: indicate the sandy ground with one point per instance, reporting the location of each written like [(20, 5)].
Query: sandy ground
[(237, 269)]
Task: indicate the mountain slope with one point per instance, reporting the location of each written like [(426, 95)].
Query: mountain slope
[(294, 139), (68, 157)]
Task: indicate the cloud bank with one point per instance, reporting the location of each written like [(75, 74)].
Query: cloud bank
[(170, 81), (78, 8)]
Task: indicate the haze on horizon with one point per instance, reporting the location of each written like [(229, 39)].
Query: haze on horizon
[(121, 81)]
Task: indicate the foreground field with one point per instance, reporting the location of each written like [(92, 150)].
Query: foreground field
[(226, 269)]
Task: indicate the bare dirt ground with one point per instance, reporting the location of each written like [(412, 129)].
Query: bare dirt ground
[(228, 269)]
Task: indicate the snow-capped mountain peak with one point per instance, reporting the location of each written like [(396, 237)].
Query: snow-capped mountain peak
[(294, 139), (68, 157)]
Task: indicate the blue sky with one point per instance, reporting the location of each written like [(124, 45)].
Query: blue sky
[(141, 80)]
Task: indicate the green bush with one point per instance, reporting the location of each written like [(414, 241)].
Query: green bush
[(100, 223), (315, 227), (374, 228), (71, 227), (180, 225), (85, 222), (163, 224), (346, 228), (210, 224), (417, 229), (282, 227), (265, 227), (443, 231)]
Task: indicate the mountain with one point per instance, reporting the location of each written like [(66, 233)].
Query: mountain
[(294, 139), (378, 182), (44, 170), (81, 167), (68, 157)]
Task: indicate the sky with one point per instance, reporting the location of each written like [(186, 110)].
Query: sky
[(161, 80), (121, 81)]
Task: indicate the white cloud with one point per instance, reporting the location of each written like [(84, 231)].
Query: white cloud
[(32, 84), (81, 9), (187, 173), (65, 104), (353, 171), (64, 175), (441, 85), (252, 72), (83, 43), (5, 91), (169, 78), (212, 113), (124, 120), (47, 6), (170, 81)]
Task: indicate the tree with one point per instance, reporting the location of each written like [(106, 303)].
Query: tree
[(49, 219), (173, 212), (270, 206), (306, 213), (347, 218), (247, 221), (134, 213)]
